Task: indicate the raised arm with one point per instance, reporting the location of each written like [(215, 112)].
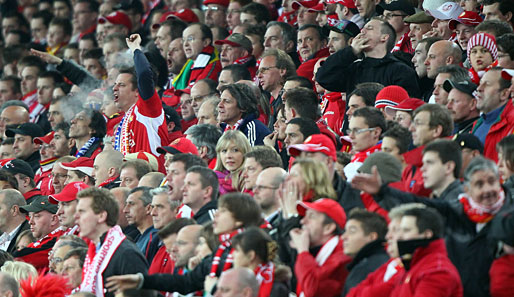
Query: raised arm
[(145, 83)]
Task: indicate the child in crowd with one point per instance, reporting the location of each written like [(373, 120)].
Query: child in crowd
[(482, 54)]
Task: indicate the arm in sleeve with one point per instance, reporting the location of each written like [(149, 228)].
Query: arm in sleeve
[(437, 283), (145, 83), (334, 74), (315, 280), (78, 75)]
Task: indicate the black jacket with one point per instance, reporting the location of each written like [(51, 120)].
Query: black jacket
[(206, 213), (348, 197), (368, 259), (33, 160), (468, 249), (79, 76), (343, 70), (12, 245), (452, 191)]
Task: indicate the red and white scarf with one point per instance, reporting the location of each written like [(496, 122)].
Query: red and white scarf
[(96, 262), (226, 242), (107, 181), (265, 275), (326, 250), (235, 126), (478, 213)]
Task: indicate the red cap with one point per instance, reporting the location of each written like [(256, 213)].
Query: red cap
[(219, 2), (406, 105), (307, 4), (45, 139), (185, 15), (319, 7), (390, 96), (180, 92), (151, 159), (82, 164), (507, 74), (68, 193), (315, 143), (329, 207), (468, 18), (347, 3), (117, 18), (180, 145)]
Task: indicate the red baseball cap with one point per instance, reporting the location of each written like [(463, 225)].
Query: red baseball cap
[(117, 18), (185, 15), (319, 7), (151, 159), (219, 2), (307, 4), (180, 145), (314, 143), (390, 96), (347, 3), (406, 105), (45, 139), (68, 193), (328, 206), (468, 18), (507, 74), (82, 164)]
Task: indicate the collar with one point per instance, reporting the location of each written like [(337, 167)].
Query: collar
[(492, 115), (370, 249)]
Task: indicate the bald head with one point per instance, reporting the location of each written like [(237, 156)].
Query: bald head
[(273, 176), (151, 179), (107, 165), (442, 53), (239, 282), (13, 115)]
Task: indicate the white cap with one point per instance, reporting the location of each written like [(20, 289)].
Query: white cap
[(432, 4), (447, 11)]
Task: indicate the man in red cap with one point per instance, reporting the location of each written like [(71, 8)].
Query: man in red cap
[(320, 266), (464, 27), (80, 170), (67, 204), (395, 14), (346, 10), (215, 15), (42, 176), (237, 49), (116, 22), (305, 15)]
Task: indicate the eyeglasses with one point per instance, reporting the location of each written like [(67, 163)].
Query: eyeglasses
[(212, 8), (389, 16), (190, 38), (58, 176), (263, 70), (356, 131), (260, 187)]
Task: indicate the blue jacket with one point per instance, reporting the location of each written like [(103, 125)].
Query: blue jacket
[(254, 129)]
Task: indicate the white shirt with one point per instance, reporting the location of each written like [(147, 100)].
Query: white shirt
[(5, 239)]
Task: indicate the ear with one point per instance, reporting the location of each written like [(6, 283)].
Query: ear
[(54, 220), (508, 16), (329, 229), (206, 42), (293, 111), (428, 233), (15, 209), (247, 292), (324, 43), (148, 209), (384, 37), (350, 41), (71, 143), (203, 151), (252, 255), (282, 72), (238, 224), (207, 192), (504, 95), (377, 132), (289, 46), (102, 217), (473, 104), (450, 166), (449, 60), (112, 172), (171, 126), (373, 236), (438, 131), (377, 2)]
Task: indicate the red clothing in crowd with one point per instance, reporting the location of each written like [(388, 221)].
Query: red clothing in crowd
[(411, 177), (162, 262), (36, 253), (381, 282), (307, 68), (333, 109), (502, 274)]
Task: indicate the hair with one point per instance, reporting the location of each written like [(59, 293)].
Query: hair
[(316, 178), (32, 61), (456, 72), (140, 166), (398, 212), (282, 60), (439, 116), (97, 123), (256, 240), (22, 21), (495, 27), (208, 178), (239, 139), (64, 23), (155, 178), (206, 31), (102, 200), (146, 195), (304, 101), (258, 30), (303, 81), (448, 151), (427, 219), (372, 116), (54, 75), (261, 12), (318, 29), (429, 41), (306, 126), (189, 160), (205, 135), (506, 148), (243, 208), (174, 226), (80, 253), (24, 37), (266, 156), (368, 91), (45, 15), (238, 72), (370, 222), (158, 67), (245, 97), (505, 43), (207, 233), (90, 37), (15, 83), (19, 270), (480, 163), (9, 283), (13, 182), (132, 72), (386, 28), (97, 54), (119, 38), (288, 31), (5, 256)]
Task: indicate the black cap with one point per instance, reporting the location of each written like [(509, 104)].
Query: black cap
[(401, 5), (344, 26), (30, 129), (469, 141), (502, 227), (16, 166), (40, 203), (465, 86)]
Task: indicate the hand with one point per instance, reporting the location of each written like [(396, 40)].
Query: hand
[(50, 59), (359, 44), (369, 183), (271, 139), (209, 283), (431, 33), (193, 262), (122, 282), (134, 42), (299, 239), (288, 197)]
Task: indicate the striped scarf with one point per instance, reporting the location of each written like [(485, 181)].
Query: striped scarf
[(226, 243)]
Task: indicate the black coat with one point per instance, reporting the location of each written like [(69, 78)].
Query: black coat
[(12, 245), (348, 197), (468, 249), (343, 70), (206, 213)]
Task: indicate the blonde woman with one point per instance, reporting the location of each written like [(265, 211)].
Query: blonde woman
[(230, 151), (19, 270)]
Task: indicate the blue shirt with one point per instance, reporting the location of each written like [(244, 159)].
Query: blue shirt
[(143, 240), (487, 120)]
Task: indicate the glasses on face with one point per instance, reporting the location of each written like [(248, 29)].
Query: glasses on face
[(212, 8), (58, 176), (356, 131), (190, 38), (263, 70), (389, 16), (261, 187)]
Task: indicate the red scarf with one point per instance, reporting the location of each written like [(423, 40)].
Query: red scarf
[(226, 242), (265, 275), (107, 181), (478, 213), (475, 76), (235, 126)]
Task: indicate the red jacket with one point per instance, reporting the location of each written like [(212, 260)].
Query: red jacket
[(36, 253), (375, 285), (501, 128), (333, 108), (431, 274), (411, 177), (306, 69), (162, 262), (326, 280), (502, 274)]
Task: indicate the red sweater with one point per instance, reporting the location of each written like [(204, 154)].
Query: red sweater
[(375, 285), (502, 274)]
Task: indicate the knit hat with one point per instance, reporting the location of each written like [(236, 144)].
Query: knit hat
[(390, 96), (486, 40), (389, 168)]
